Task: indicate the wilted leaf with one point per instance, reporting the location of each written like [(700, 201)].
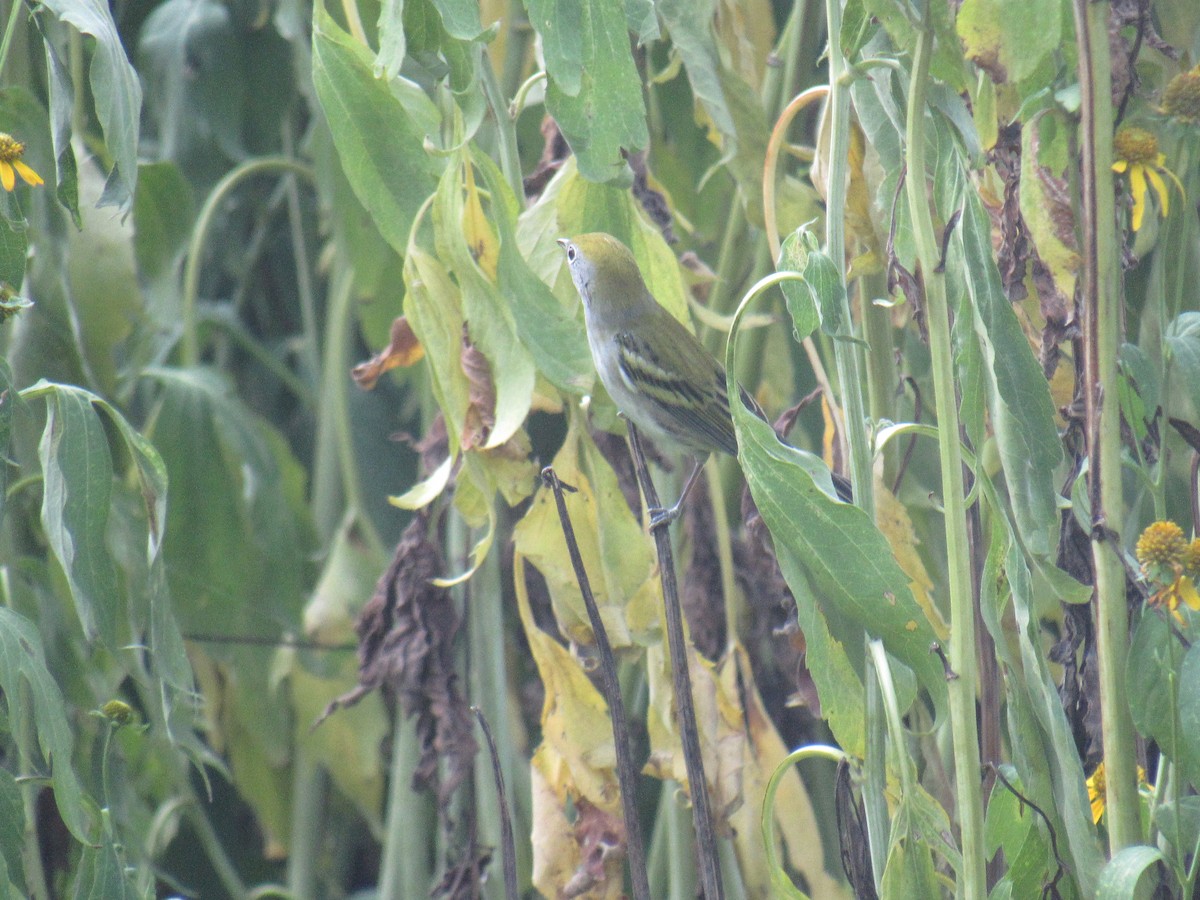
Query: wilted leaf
[(403, 349), (406, 646), (614, 548), (1009, 38)]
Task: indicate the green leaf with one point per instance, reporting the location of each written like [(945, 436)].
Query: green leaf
[(1148, 675), (22, 660), (1009, 39), (379, 134), (607, 114), (163, 212), (1044, 749), (1124, 872), (12, 827), (433, 307), (1179, 823), (235, 532), (793, 255), (733, 106), (193, 58), (1189, 714), (116, 92), (1183, 360), (77, 468), (489, 319), (14, 250), (846, 557), (1022, 410), (559, 23), (102, 873), (105, 299), (551, 332), (460, 18), (392, 42)]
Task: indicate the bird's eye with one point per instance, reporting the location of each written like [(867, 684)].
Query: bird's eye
[(570, 254)]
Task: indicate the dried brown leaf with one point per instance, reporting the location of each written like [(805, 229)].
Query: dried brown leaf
[(403, 350)]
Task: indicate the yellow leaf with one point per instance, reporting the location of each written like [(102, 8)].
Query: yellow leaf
[(481, 239), (794, 815), (897, 527), (614, 548)]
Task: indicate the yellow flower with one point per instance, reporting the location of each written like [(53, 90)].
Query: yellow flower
[(1180, 591), (1137, 153), (1191, 558), (118, 712), (11, 151), (1096, 787), (1162, 543), (1181, 98)]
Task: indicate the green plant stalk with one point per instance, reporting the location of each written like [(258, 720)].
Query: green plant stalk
[(848, 355), (1102, 335), (779, 879), (190, 352), (309, 795), (851, 380), (304, 286), (681, 845), (334, 428), (516, 48), (10, 28), (488, 679), (506, 132), (881, 362), (405, 869), (962, 613)]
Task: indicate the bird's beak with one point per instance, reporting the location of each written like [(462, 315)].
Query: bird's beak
[(562, 242)]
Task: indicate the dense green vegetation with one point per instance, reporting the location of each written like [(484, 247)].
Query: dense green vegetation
[(287, 341)]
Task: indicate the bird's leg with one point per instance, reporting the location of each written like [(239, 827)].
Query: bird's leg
[(661, 517)]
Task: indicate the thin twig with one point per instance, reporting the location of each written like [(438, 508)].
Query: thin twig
[(508, 846), (689, 733), (626, 771), (1051, 887)]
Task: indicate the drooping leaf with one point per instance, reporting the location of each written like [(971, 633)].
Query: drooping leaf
[(77, 468), (550, 331), (379, 132), (193, 58), (116, 92), (489, 320), (23, 661), (1019, 397), (839, 547)]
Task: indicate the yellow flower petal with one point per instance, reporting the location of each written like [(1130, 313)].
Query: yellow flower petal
[(1137, 186), (1188, 593), (1159, 188), (7, 178), (1120, 166), (31, 177)]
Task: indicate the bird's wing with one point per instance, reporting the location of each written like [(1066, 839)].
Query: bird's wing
[(685, 384)]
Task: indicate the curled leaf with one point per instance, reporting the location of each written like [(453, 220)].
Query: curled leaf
[(403, 349)]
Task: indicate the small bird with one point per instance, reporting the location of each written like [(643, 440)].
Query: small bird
[(655, 370)]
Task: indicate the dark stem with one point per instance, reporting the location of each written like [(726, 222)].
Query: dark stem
[(689, 733), (508, 847), (626, 771)]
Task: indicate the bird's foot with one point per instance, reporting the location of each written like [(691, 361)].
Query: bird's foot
[(661, 517)]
